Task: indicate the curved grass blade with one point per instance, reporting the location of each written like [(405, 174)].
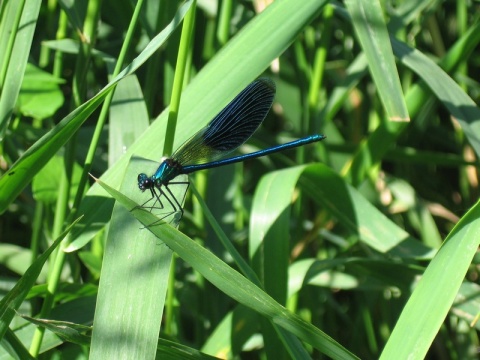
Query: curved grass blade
[(435, 293), (448, 92), (233, 283), (289, 342)]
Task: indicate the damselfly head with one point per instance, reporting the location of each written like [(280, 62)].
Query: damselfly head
[(144, 182)]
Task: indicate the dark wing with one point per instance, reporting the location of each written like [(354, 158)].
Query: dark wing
[(231, 127)]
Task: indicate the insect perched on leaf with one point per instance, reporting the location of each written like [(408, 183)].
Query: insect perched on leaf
[(226, 132)]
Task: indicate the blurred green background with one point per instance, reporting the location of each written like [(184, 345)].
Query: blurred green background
[(369, 238)]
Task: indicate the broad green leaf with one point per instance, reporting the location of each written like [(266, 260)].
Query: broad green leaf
[(70, 46), (133, 284), (40, 96), (16, 258), (46, 184), (128, 117)]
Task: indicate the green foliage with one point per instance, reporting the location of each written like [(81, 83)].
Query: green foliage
[(363, 245)]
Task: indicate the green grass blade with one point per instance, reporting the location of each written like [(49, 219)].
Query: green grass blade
[(240, 324), (244, 267), (374, 148), (17, 62), (68, 331), (448, 92), (233, 283), (269, 243), (128, 117), (22, 172), (368, 21), (433, 297), (289, 342), (133, 285), (15, 297), (350, 208), (175, 351), (14, 347)]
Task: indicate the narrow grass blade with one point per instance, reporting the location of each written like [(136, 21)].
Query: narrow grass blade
[(290, 343), (14, 298), (71, 332), (18, 59), (448, 92), (435, 293), (233, 283), (14, 348), (368, 21)]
